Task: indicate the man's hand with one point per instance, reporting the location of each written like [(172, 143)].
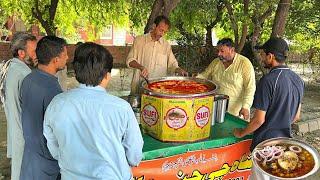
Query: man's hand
[(238, 133), (245, 113), (144, 72), (181, 72)]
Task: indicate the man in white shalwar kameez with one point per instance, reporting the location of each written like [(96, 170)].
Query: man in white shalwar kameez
[(23, 47), (151, 56)]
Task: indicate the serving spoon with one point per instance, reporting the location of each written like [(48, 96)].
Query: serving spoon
[(146, 80)]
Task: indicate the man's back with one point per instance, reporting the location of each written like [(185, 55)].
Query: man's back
[(97, 133), (279, 93), (17, 71), (38, 88)]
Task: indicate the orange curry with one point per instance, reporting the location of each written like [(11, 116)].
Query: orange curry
[(178, 87)]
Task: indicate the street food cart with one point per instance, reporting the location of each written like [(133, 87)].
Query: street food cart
[(179, 139), (221, 156)]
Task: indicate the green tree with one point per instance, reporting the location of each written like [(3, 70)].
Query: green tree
[(65, 15), (303, 26), (139, 13), (303, 30)]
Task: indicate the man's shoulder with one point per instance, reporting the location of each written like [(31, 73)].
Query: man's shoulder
[(244, 59), (99, 97), (295, 75), (140, 38), (240, 56), (30, 76), (214, 62), (35, 80), (297, 79), (268, 77), (275, 76), (117, 101), (18, 68), (267, 80)]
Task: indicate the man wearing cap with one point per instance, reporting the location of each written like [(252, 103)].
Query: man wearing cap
[(234, 74), (277, 100)]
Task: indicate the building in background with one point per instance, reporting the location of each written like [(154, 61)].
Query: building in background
[(110, 35)]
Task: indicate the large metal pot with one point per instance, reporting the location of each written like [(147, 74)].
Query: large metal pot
[(259, 173), (212, 86), (171, 117)]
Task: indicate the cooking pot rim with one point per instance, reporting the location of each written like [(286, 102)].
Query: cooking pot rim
[(210, 83)]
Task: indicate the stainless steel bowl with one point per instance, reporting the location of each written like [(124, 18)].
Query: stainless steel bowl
[(212, 86), (292, 141), (134, 101)]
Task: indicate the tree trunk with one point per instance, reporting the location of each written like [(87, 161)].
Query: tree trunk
[(257, 27), (47, 24), (209, 36), (244, 32), (233, 21), (156, 9), (242, 41), (280, 19), (209, 27), (159, 7), (169, 5)]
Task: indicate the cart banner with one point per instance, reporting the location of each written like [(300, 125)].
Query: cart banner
[(231, 162)]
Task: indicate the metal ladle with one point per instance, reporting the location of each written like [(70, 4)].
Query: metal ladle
[(146, 80)]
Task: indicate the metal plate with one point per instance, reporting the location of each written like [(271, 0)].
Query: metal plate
[(212, 86), (283, 140)]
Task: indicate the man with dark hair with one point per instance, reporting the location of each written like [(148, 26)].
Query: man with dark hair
[(91, 133), (37, 90), (13, 71), (234, 74), (151, 55), (160, 19), (277, 101)]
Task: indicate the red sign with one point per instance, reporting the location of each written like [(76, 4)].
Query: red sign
[(202, 116), (150, 115), (231, 162)]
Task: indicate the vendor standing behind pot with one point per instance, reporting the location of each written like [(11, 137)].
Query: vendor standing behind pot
[(234, 74), (151, 55), (277, 101)]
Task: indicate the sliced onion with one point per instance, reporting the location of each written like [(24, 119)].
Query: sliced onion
[(270, 158), (267, 151), (278, 154), (256, 154), (295, 149)]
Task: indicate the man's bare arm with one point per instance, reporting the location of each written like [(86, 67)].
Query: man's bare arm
[(136, 65)]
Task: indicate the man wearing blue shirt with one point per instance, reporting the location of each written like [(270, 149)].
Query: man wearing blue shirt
[(37, 90), (91, 133), (278, 97)]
